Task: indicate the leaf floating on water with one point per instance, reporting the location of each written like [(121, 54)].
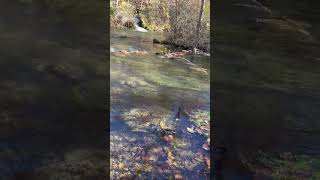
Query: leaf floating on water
[(190, 130)]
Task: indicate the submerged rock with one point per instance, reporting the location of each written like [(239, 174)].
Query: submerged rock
[(156, 41)]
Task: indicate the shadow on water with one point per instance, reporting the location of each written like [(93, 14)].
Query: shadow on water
[(52, 83), (266, 83)]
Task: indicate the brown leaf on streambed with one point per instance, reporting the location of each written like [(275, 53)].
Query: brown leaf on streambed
[(206, 147), (178, 177), (146, 157), (168, 138)]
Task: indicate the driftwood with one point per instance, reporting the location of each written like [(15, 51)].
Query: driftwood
[(180, 55), (125, 52)]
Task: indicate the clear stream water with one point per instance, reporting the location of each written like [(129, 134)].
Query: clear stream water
[(146, 89)]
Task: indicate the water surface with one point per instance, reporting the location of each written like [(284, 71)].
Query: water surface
[(266, 79), (53, 75), (145, 90)]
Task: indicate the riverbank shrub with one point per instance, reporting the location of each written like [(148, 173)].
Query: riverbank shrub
[(156, 15), (184, 16), (121, 14)]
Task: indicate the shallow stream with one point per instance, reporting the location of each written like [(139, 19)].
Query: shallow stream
[(147, 92)]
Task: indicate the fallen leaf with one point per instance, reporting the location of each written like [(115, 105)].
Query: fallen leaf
[(121, 165), (178, 177), (146, 157), (168, 138), (170, 156), (153, 157), (162, 124), (190, 130), (205, 146)]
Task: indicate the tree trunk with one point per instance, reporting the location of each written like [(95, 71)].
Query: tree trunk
[(198, 27), (176, 18)]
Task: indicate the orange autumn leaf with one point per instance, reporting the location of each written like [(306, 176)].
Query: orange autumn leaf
[(178, 177)]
